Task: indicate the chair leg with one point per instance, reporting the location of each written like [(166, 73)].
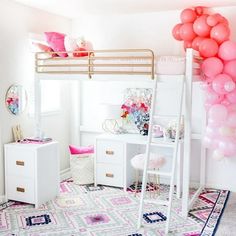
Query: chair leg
[(158, 184), (136, 181)]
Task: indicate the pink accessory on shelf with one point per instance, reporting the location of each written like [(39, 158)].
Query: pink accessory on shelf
[(56, 42), (44, 48), (81, 150), (157, 131)]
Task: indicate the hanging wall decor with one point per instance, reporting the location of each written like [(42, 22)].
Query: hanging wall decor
[(16, 99)]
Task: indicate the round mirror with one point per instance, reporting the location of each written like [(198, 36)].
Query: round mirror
[(16, 99)]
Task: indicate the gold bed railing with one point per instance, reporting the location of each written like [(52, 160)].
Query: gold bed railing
[(113, 62)]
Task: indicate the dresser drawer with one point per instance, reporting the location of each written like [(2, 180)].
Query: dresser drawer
[(20, 162), (108, 174), (20, 189), (110, 151)]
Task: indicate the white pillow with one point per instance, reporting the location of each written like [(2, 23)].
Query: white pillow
[(70, 45)]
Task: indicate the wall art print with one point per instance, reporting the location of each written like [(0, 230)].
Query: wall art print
[(136, 108)]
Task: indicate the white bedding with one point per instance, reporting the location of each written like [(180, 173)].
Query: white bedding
[(169, 65)]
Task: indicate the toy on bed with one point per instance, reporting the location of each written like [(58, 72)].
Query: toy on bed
[(67, 45)]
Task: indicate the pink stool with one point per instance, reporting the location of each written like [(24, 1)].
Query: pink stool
[(155, 162)]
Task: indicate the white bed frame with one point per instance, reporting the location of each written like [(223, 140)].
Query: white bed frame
[(140, 62)]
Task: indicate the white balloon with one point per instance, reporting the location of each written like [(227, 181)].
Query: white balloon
[(218, 155)]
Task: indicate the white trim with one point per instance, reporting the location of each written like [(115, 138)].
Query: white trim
[(2, 199), (86, 129), (65, 174)]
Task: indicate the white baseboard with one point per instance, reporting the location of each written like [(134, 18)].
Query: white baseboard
[(220, 186), (194, 184), (65, 174)]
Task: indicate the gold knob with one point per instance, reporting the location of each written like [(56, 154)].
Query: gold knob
[(20, 163), (109, 152), (109, 175), (19, 189)]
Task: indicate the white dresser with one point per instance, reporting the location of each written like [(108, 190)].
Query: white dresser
[(32, 172)]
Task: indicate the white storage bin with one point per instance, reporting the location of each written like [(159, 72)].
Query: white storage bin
[(82, 168)]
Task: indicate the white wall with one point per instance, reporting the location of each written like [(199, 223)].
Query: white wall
[(16, 22), (150, 30)]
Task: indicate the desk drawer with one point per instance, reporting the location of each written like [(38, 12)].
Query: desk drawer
[(20, 162), (20, 189), (111, 175), (110, 151)]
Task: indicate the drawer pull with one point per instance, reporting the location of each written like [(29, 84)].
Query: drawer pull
[(110, 152), (109, 175), (20, 163), (18, 189)]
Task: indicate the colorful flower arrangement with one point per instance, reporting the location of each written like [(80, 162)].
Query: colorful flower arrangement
[(136, 109), (13, 104)]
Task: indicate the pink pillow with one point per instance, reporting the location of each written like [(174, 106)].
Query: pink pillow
[(80, 150), (56, 42), (44, 48)]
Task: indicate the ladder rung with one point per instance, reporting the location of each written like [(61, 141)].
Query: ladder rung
[(156, 172), (158, 202), (163, 144)]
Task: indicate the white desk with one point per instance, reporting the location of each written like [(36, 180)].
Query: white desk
[(113, 155)]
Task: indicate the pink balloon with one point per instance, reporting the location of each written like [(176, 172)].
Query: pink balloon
[(212, 131), (230, 69), (229, 86), (196, 42), (205, 86), (214, 122), (231, 120), (226, 131), (212, 66), (187, 44), (212, 20), (211, 143), (186, 32), (218, 113), (199, 10), (225, 102), (212, 97), (222, 19), (227, 51), (220, 33), (207, 106), (188, 16), (231, 96), (200, 26), (218, 155), (227, 146), (176, 33), (222, 84), (231, 108), (208, 48), (210, 79)]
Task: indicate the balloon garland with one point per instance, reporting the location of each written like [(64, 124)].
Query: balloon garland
[(209, 35)]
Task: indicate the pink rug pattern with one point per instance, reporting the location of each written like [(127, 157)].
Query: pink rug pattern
[(106, 211)]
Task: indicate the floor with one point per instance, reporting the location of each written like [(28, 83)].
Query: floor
[(105, 211), (227, 226)]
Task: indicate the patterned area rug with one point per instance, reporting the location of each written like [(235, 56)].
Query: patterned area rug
[(105, 211)]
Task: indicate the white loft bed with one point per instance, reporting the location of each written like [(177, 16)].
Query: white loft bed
[(128, 64)]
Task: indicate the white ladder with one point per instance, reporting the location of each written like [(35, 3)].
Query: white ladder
[(174, 145)]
